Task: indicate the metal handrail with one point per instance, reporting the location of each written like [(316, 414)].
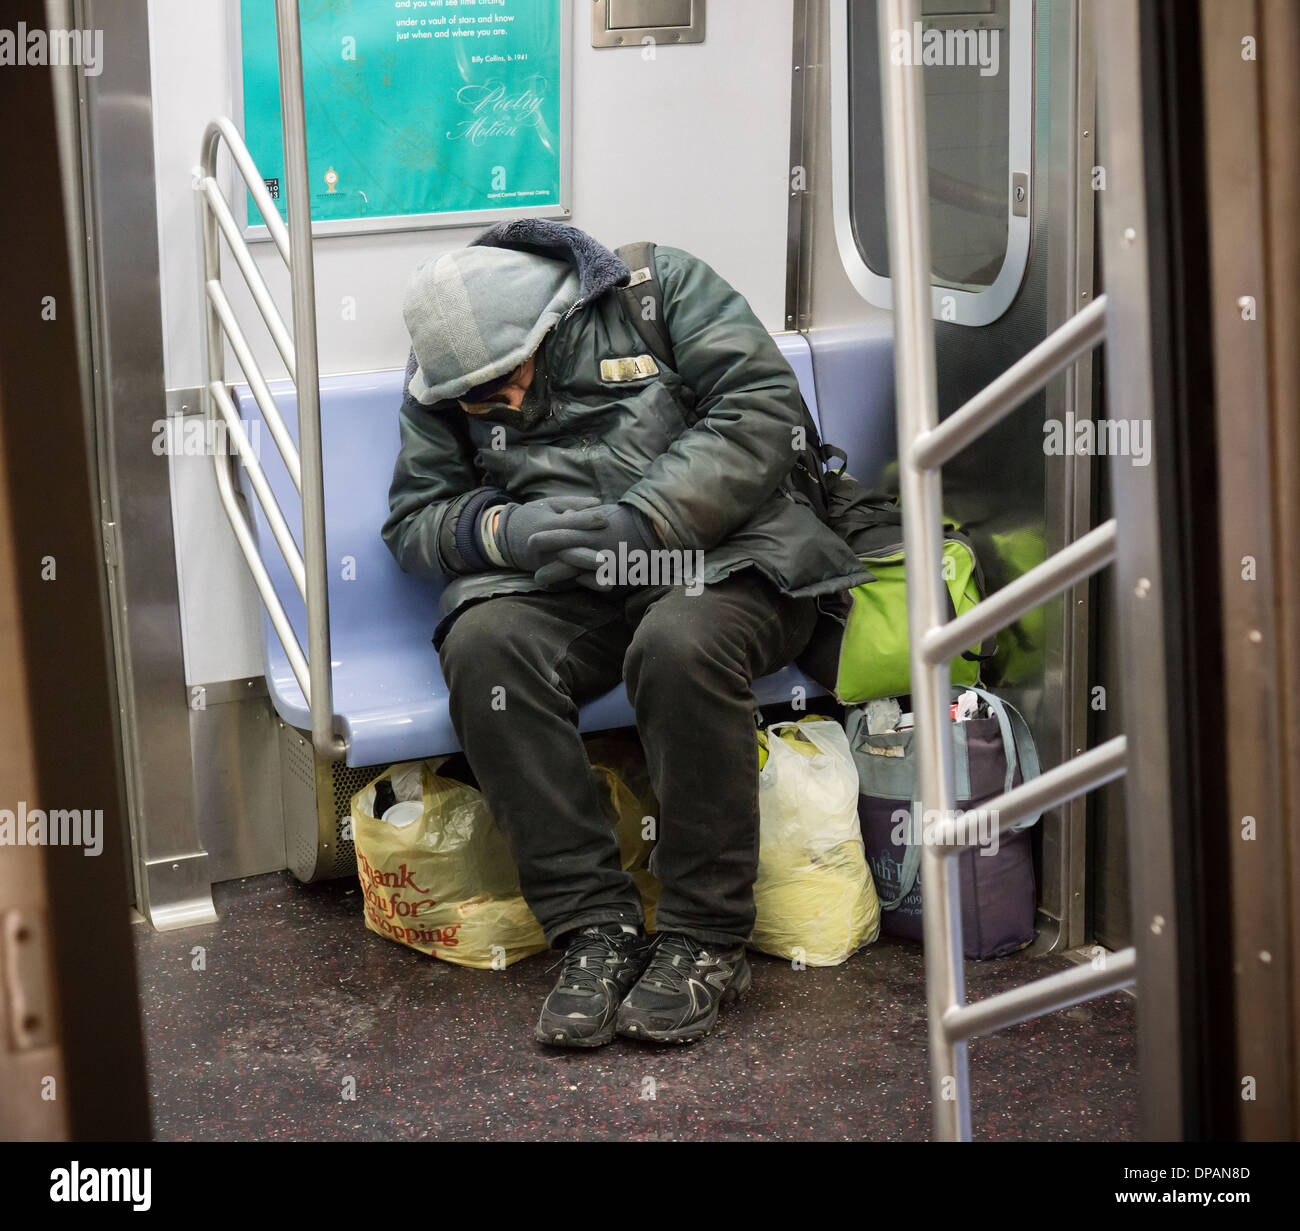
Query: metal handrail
[(261, 488), (303, 461), (252, 275), (1065, 569), (1019, 382), (218, 303), (924, 445), (1112, 973), (1071, 778)]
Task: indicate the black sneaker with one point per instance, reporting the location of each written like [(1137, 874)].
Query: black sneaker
[(678, 996), (600, 963)]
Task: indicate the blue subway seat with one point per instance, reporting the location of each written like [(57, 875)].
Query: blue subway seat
[(855, 375), (389, 692)]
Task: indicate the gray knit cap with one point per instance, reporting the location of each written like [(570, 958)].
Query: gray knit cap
[(477, 313)]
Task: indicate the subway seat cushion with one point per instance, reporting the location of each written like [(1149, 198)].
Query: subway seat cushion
[(389, 693)]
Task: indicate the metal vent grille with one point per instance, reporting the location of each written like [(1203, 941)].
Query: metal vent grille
[(305, 856), (318, 808), (299, 761), (346, 781)]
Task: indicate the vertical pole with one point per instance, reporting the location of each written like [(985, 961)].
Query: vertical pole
[(921, 491), (302, 277)]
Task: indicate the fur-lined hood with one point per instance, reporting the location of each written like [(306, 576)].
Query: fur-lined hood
[(598, 269)]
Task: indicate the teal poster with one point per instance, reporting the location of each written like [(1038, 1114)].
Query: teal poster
[(414, 107)]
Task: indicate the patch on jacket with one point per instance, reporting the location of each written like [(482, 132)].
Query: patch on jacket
[(634, 367)]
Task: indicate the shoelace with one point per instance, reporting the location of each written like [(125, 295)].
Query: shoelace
[(669, 965), (579, 973)]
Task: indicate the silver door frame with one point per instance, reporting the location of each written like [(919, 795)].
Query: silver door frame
[(173, 888)]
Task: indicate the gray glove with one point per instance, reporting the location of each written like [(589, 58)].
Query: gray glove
[(577, 552), (615, 524), (576, 566), (519, 525)]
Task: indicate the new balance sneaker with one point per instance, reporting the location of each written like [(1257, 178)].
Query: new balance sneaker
[(682, 989), (601, 962)]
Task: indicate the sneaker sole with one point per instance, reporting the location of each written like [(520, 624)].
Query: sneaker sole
[(557, 1038), (692, 1034)]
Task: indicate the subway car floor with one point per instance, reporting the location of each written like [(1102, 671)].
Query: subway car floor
[(293, 996)]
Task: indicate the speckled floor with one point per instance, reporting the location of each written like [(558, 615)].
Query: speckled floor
[(296, 997)]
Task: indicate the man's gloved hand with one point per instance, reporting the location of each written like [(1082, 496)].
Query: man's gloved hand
[(573, 553), (519, 526), (614, 524), (575, 566)]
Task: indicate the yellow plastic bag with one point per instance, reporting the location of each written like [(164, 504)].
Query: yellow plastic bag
[(815, 899), (436, 873)]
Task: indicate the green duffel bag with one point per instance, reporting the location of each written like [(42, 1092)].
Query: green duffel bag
[(860, 647)]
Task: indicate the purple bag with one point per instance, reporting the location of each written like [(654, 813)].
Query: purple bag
[(991, 754)]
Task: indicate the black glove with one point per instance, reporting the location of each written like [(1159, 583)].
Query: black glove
[(519, 526)]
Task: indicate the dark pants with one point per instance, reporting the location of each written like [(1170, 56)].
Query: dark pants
[(518, 666)]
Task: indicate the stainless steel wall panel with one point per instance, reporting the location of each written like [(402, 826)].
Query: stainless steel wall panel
[(129, 395), (1138, 575), (1240, 194), (237, 783)]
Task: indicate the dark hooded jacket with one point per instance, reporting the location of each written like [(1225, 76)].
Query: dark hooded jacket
[(704, 452)]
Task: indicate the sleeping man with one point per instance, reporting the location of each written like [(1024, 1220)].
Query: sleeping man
[(600, 515)]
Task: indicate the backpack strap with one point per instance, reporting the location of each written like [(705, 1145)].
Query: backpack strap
[(1018, 745), (909, 868), (830, 452), (644, 289)]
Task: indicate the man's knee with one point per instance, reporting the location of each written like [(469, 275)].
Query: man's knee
[(682, 648), (487, 637), (737, 630)]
